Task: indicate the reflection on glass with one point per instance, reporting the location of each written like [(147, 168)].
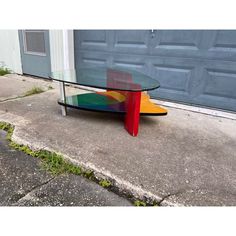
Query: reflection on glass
[(114, 78)]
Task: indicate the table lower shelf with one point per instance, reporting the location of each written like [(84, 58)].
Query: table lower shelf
[(110, 102)]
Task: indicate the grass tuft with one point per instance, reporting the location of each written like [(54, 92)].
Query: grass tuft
[(89, 174), (34, 90), (56, 164), (139, 203), (4, 71), (105, 183), (51, 161), (8, 128)]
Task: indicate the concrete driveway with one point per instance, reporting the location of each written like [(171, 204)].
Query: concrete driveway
[(185, 158)]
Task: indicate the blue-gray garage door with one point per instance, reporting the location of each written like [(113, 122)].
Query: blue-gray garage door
[(193, 66)]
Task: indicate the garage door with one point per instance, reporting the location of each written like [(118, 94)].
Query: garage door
[(193, 66)]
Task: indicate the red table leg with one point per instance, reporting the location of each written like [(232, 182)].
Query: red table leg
[(119, 79), (132, 112)]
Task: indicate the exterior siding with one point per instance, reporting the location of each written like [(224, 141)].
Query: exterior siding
[(56, 49), (10, 50)]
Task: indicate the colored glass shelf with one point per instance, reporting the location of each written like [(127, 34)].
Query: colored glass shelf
[(111, 101)]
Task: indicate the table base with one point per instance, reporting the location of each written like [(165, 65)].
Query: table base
[(131, 104)]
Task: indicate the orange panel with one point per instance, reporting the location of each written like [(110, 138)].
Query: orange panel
[(146, 105)]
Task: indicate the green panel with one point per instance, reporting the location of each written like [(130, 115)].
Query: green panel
[(95, 102)]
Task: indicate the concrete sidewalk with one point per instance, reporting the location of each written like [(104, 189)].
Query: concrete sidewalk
[(185, 158), (23, 182), (13, 86)]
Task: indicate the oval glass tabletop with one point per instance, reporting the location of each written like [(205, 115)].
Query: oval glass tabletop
[(113, 78)]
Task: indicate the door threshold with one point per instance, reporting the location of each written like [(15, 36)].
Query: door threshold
[(203, 110)]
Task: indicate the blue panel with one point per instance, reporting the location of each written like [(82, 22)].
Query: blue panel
[(132, 41), (215, 83), (33, 63)]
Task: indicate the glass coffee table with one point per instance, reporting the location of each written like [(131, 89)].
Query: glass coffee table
[(124, 93)]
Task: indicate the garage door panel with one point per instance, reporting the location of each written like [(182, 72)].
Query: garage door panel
[(174, 74), (215, 101), (132, 65), (177, 42), (92, 39), (172, 77), (131, 62), (178, 39), (220, 83), (202, 44), (131, 41), (168, 94), (225, 40), (91, 59)]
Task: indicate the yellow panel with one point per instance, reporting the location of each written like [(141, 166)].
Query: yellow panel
[(146, 105), (116, 95)]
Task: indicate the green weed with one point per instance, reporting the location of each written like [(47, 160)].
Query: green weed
[(89, 174), (139, 203), (4, 71), (8, 128), (51, 161), (34, 90), (105, 183)]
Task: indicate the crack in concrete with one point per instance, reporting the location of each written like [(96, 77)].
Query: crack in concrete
[(20, 96), (12, 99), (170, 195), (25, 194), (164, 198)]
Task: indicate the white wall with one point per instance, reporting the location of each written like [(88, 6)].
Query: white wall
[(10, 50), (56, 49)]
